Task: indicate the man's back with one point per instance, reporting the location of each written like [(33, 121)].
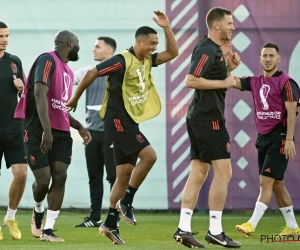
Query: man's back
[(208, 62)]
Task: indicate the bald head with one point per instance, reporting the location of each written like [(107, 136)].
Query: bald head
[(64, 36), (67, 42)]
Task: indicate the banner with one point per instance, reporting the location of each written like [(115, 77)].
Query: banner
[(256, 22)]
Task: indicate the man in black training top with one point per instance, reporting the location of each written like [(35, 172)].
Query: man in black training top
[(12, 81), (208, 75), (131, 98)]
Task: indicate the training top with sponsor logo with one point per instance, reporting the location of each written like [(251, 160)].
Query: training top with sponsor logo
[(56, 74), (115, 69), (269, 97), (10, 65)]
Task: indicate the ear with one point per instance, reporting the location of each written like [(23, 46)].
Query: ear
[(108, 50), (138, 41), (216, 25), (279, 57), (69, 43)]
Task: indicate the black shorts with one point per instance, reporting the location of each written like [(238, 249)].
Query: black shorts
[(209, 140), (12, 146), (271, 159), (127, 139), (61, 149)]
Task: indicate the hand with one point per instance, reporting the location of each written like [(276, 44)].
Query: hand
[(85, 134), (229, 82), (226, 47), (289, 149), (47, 140), (234, 60), (72, 104), (161, 20), (18, 83)]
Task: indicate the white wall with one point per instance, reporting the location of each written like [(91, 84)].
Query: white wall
[(33, 25)]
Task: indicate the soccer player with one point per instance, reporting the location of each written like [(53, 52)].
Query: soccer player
[(99, 151), (208, 75), (47, 129), (275, 96), (131, 98), (11, 138)]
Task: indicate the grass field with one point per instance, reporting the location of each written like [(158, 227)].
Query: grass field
[(154, 231)]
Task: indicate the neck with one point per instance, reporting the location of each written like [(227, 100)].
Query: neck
[(214, 37), (62, 56), (1, 53), (102, 60), (270, 73), (137, 54)]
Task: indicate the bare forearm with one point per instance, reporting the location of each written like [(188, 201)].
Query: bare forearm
[(42, 110), (171, 41), (238, 82), (74, 123), (291, 124), (85, 82), (202, 83)]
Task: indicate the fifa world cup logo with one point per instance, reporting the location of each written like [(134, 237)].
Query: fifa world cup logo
[(67, 81), (263, 92), (141, 71)]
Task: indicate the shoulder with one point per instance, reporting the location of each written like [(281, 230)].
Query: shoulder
[(14, 58), (45, 56), (204, 48), (45, 59)]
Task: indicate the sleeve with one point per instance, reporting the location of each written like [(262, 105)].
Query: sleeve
[(44, 67), (290, 91), (113, 65), (245, 83), (78, 74), (153, 59), (202, 61)]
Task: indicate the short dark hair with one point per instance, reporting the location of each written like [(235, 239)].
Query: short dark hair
[(109, 41), (215, 15), (144, 30), (3, 25), (272, 46)]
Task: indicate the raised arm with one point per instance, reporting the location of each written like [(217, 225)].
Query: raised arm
[(172, 49)]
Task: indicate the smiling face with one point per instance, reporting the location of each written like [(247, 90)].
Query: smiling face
[(101, 51), (269, 59), (225, 27), (4, 37), (147, 44)]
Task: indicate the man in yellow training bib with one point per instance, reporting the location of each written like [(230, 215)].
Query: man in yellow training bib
[(130, 99)]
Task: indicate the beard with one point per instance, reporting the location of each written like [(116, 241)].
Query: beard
[(73, 55), (224, 35), (269, 70)]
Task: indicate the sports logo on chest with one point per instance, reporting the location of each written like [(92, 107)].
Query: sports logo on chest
[(263, 93), (141, 73), (14, 68)]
